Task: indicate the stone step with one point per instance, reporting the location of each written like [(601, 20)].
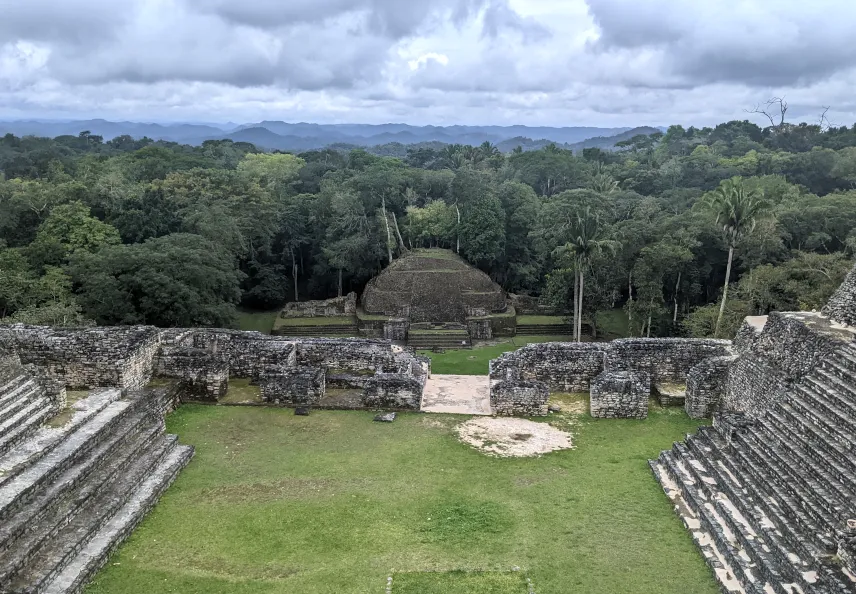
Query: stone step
[(24, 423), (15, 492), (735, 572), (834, 493), (46, 438), (788, 420), (94, 554), (767, 557), (783, 496), (745, 495), (14, 406), (132, 427), (12, 390), (60, 550), (27, 531), (823, 411), (796, 496), (843, 388), (839, 367)]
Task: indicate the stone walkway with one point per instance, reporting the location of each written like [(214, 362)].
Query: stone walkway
[(457, 394)]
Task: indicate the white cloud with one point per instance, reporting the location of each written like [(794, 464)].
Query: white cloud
[(544, 62)]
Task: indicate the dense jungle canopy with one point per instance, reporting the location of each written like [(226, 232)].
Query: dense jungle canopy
[(136, 231)]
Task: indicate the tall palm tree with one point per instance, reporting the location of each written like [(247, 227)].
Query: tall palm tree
[(584, 242), (737, 211)]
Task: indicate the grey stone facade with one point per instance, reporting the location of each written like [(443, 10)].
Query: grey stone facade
[(293, 386), (841, 307), (526, 398), (337, 306), (397, 391), (706, 385), (620, 395), (768, 492), (572, 366)]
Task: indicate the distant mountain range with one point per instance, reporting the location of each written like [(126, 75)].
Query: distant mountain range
[(273, 135)]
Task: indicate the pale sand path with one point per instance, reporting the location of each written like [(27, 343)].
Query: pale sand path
[(457, 394)]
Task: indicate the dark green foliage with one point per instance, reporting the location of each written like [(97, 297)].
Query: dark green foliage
[(301, 227)]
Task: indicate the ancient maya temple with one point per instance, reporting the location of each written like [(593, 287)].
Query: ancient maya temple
[(426, 298), (767, 492)]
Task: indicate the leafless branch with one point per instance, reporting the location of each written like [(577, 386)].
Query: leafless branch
[(767, 110)]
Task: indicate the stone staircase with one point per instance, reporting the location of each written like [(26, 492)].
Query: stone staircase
[(545, 330), (767, 500), (70, 494), (23, 406), (321, 331), (447, 339)]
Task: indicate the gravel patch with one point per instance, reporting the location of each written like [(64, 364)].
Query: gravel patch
[(508, 437)]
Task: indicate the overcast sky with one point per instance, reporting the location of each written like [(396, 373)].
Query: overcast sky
[(535, 62)]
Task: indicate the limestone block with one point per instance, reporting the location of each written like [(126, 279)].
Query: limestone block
[(519, 397), (620, 395)]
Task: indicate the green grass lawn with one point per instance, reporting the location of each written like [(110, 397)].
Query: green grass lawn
[(335, 503), (545, 320), (260, 321), (475, 361)]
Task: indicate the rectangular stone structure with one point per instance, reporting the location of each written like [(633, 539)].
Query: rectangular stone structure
[(297, 386), (519, 398), (620, 395)]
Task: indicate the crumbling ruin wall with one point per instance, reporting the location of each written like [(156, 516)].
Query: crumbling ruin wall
[(521, 397), (706, 385), (397, 391), (620, 395), (120, 357), (202, 375), (663, 359), (293, 386), (841, 307), (330, 308), (562, 366), (789, 348)]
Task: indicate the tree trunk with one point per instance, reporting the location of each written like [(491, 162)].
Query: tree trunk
[(388, 233), (630, 296), (724, 292), (294, 272), (458, 231), (340, 282), (677, 288), (650, 308), (576, 298), (582, 293), (398, 233)]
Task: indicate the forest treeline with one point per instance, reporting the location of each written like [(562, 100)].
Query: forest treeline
[(135, 231)]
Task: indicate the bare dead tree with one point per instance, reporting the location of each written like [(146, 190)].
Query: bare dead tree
[(769, 109), (825, 124)]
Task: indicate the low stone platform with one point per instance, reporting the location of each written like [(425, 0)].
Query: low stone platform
[(457, 394)]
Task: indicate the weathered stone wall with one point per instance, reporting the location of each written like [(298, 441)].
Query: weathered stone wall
[(790, 346), (663, 359), (396, 391), (748, 334), (202, 375), (847, 546), (841, 307), (753, 385), (620, 395), (479, 328), (562, 366), (395, 329), (89, 357), (519, 397), (706, 383), (337, 306), (290, 386)]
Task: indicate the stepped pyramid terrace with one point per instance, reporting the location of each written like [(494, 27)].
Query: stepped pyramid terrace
[(426, 298), (767, 492)]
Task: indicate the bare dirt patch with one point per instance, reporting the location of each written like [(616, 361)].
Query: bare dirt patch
[(513, 437)]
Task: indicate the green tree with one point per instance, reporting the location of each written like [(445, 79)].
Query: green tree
[(736, 211)]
